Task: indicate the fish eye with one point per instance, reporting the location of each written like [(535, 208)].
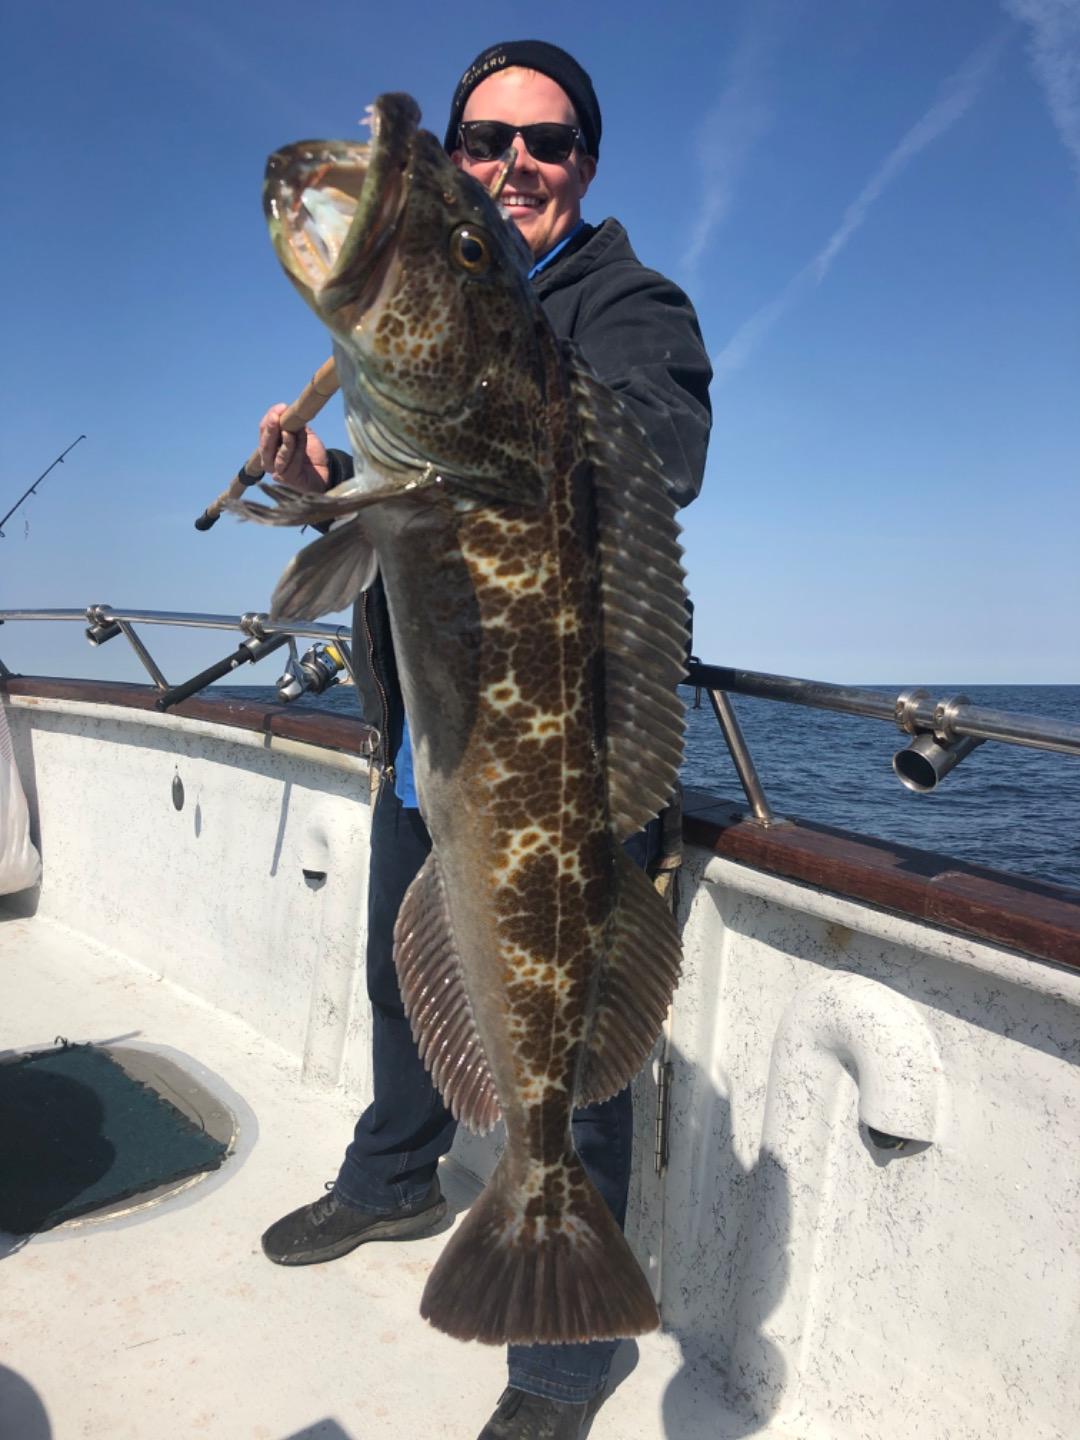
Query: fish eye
[(469, 249)]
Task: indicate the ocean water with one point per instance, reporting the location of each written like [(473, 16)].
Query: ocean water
[(1005, 806)]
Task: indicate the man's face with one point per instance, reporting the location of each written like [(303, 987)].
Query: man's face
[(544, 201)]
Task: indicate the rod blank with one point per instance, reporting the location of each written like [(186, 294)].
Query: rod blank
[(322, 386)]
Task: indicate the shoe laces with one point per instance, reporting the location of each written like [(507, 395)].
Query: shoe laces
[(324, 1207)]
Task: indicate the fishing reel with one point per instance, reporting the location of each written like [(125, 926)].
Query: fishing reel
[(317, 670)]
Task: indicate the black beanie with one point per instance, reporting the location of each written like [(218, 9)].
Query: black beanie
[(556, 64)]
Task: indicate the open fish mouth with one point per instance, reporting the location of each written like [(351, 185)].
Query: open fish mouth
[(334, 207)]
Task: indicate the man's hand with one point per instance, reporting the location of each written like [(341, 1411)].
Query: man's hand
[(299, 459)]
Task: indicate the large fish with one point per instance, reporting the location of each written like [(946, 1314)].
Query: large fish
[(527, 546)]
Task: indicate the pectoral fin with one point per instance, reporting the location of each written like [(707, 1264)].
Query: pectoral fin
[(305, 507), (326, 575)]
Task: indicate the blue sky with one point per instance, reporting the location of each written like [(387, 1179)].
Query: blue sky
[(874, 204)]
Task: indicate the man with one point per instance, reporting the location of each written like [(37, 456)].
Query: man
[(639, 333)]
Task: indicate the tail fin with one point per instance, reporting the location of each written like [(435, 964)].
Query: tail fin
[(543, 1280)]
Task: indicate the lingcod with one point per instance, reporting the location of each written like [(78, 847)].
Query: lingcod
[(529, 552)]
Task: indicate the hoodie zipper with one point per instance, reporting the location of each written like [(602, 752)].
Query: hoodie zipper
[(384, 728)]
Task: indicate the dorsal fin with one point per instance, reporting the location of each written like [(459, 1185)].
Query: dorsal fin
[(643, 594), (440, 1013)]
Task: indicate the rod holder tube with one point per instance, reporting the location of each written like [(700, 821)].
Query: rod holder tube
[(927, 760), (98, 634)]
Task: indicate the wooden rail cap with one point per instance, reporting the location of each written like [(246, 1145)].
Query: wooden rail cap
[(1037, 918)]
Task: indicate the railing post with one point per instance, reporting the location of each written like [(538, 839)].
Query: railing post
[(740, 754)]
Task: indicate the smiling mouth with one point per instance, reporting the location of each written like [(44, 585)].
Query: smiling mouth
[(515, 200)]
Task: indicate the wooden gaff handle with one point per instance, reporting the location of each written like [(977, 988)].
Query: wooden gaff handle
[(322, 387)]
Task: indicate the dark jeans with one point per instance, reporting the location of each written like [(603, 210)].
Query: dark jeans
[(398, 1139), (400, 1136)]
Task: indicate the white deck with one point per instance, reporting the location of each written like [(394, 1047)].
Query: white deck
[(169, 1322)]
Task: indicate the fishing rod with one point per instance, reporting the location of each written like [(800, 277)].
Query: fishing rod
[(322, 387), (58, 461)]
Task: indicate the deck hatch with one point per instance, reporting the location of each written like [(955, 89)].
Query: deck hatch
[(89, 1131)]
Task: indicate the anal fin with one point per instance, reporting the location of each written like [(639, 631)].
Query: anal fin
[(636, 985), (437, 1004)]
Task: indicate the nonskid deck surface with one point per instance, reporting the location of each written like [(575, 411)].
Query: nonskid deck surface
[(169, 1321)]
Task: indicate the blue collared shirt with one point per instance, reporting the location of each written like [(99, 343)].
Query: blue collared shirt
[(404, 780), (555, 251)]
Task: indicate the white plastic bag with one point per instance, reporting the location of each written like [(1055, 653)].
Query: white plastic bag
[(20, 863)]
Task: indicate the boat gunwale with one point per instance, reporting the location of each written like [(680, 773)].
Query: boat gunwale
[(1038, 919), (322, 728)]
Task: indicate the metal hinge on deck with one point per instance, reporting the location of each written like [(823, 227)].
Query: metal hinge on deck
[(663, 1115)]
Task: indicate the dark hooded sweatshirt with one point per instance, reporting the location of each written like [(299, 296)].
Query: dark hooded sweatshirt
[(639, 333)]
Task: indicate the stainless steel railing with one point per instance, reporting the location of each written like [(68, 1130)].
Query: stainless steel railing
[(914, 711), (192, 619), (941, 732), (327, 662)]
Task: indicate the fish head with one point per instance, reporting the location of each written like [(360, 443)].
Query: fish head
[(439, 340)]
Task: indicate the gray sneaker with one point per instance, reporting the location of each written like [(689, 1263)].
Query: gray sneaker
[(329, 1228), (521, 1416)]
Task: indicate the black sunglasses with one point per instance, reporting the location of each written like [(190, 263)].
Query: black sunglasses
[(490, 139)]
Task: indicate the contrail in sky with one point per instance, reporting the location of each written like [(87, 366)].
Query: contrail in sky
[(958, 94), (1055, 57), (725, 140)]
